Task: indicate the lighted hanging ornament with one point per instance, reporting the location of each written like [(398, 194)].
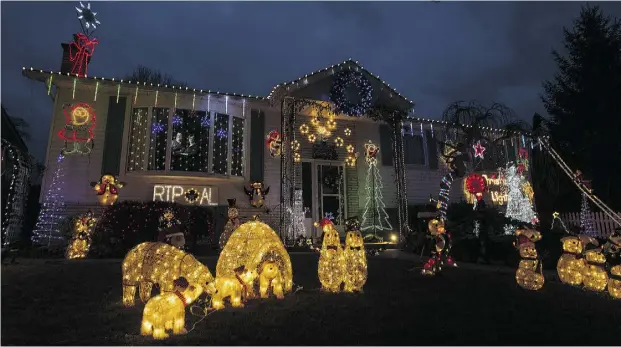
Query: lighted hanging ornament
[(331, 260), (355, 273), (166, 311), (78, 129), (274, 143), (479, 150), (156, 263), (107, 189), (529, 274), (82, 236)]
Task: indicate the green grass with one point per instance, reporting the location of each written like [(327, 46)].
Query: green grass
[(59, 303)]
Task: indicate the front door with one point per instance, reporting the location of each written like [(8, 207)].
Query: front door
[(330, 193)]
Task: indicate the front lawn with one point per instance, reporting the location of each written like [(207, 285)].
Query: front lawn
[(80, 303)]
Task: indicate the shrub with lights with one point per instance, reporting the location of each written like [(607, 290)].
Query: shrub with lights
[(128, 223)]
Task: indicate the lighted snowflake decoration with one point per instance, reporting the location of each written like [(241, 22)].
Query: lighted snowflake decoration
[(329, 215), (177, 120), (205, 121), (86, 15), (191, 195), (157, 128), (479, 150), (221, 133)]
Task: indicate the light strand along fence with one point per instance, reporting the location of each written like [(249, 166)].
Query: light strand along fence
[(603, 225)]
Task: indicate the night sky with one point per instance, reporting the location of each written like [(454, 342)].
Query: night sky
[(432, 52)]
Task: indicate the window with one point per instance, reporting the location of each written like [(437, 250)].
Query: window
[(198, 141), (189, 147), (413, 146)]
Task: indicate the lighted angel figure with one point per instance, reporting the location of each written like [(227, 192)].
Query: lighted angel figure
[(86, 15)]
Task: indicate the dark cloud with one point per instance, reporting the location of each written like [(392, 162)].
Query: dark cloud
[(434, 53)]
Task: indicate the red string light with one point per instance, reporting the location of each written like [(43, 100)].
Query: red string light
[(80, 52), (80, 116), (476, 185)]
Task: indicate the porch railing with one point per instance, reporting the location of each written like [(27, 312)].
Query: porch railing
[(604, 226)]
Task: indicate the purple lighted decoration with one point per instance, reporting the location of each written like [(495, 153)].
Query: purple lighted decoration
[(205, 121), (221, 133), (157, 128), (177, 120)]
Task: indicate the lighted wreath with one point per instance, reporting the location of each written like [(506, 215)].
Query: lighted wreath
[(339, 93), (331, 180), (476, 185)]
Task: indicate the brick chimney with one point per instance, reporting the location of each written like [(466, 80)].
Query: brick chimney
[(66, 64)]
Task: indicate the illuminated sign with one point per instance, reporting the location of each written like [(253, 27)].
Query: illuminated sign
[(497, 187), (206, 196)]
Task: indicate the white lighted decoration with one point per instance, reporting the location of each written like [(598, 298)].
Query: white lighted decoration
[(207, 196)]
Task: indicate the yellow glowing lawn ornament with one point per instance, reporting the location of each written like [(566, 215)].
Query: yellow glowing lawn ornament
[(270, 278), (571, 265), (167, 310), (331, 260), (159, 263), (355, 257), (107, 189), (236, 288), (595, 275), (250, 246), (529, 274), (82, 236), (613, 250)]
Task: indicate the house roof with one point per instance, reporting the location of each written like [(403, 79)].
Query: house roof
[(10, 133), (331, 70)]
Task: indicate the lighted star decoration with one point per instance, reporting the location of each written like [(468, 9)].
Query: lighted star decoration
[(221, 133), (555, 215), (86, 15), (478, 150)]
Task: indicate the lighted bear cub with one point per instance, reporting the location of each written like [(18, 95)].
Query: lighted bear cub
[(270, 277), (571, 264), (331, 260), (613, 249), (158, 263), (355, 274), (595, 275), (529, 274), (167, 311)]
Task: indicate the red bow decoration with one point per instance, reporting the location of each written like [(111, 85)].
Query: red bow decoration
[(80, 51), (476, 185)]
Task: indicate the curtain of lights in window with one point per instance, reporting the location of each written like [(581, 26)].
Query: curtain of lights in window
[(189, 147), (220, 143), (237, 147), (159, 135), (138, 140)]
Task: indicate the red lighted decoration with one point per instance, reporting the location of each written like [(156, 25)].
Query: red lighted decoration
[(476, 185), (522, 160), (78, 129), (80, 52)]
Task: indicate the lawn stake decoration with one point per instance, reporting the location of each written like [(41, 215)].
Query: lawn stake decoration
[(80, 120), (232, 223), (529, 274), (158, 263), (166, 311), (571, 264), (331, 260), (82, 236), (256, 194), (107, 189), (237, 288), (613, 250), (253, 250), (595, 275), (440, 255), (355, 257)]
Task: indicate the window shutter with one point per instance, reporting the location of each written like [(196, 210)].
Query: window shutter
[(257, 147), (432, 150), (113, 138), (385, 144)]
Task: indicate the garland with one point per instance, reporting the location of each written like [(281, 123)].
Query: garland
[(338, 93)]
